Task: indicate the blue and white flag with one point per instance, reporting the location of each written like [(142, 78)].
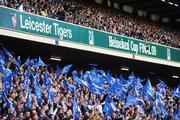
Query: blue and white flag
[(176, 92), (133, 100), (66, 69), (109, 106), (52, 94), (78, 80), (148, 91), (75, 108), (40, 62)]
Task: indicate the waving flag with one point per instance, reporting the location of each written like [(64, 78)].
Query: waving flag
[(163, 112), (33, 62), (78, 80), (2, 62), (41, 63), (7, 82), (156, 110), (158, 101), (95, 78), (133, 100), (176, 92), (38, 90), (131, 77), (17, 62), (72, 88), (47, 80), (99, 90), (162, 87), (122, 80), (75, 108), (51, 95), (27, 62), (58, 71), (8, 55), (26, 83), (66, 69), (114, 89), (110, 79), (109, 106), (9, 103), (148, 91)]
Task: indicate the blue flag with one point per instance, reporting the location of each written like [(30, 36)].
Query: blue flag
[(109, 106), (58, 71), (122, 80), (78, 80), (17, 63), (26, 83), (176, 92), (163, 112), (95, 78), (2, 61), (156, 110), (161, 85), (133, 100), (7, 82), (2, 69), (158, 100), (47, 80), (72, 88), (114, 89), (38, 90), (9, 104), (148, 91), (99, 90), (131, 78), (75, 108), (27, 62), (8, 54), (110, 79), (51, 95), (41, 63), (66, 69)]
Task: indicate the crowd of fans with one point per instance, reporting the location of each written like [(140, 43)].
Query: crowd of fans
[(33, 90), (91, 15)]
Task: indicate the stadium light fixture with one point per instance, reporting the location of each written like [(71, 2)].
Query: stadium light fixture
[(163, 0), (125, 69), (171, 3), (55, 59), (175, 76), (176, 5)]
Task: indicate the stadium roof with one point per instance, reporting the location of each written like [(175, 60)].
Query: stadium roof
[(163, 8)]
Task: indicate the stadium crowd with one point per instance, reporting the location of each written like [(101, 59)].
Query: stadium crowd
[(85, 13), (35, 91)]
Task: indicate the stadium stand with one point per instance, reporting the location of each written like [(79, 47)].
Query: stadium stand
[(97, 17), (33, 91)]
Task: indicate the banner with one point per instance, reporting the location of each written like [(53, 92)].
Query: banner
[(32, 24)]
